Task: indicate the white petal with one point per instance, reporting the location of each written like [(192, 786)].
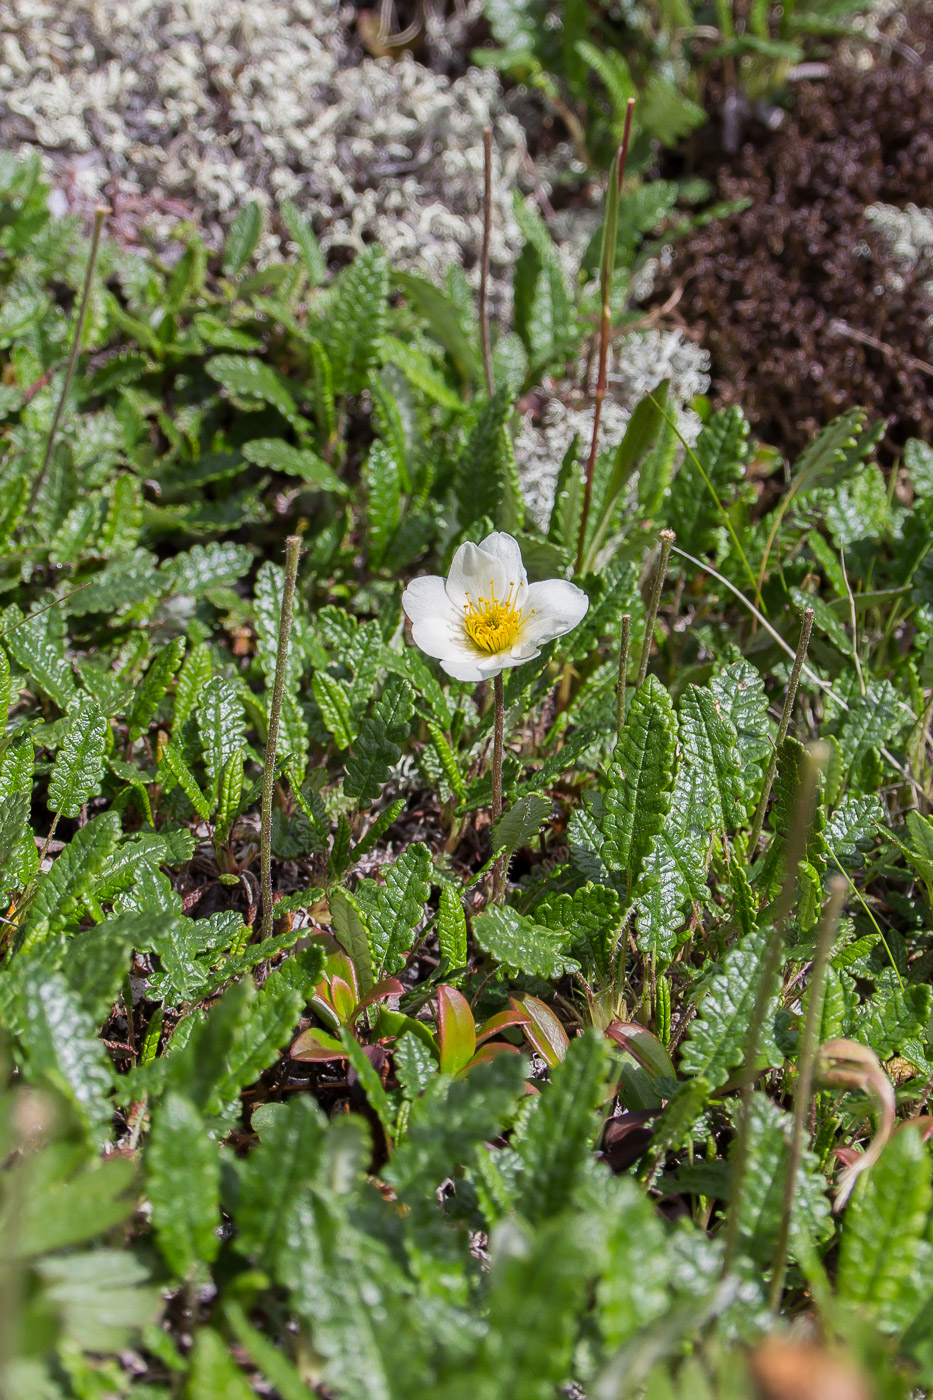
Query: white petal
[(426, 597), (552, 608), (462, 670), (506, 549), (474, 572)]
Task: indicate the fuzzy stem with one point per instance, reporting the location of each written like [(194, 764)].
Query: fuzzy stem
[(806, 1061), (484, 267), (795, 847), (498, 747), (605, 327), (667, 538), (623, 673), (100, 214), (806, 627), (292, 551)]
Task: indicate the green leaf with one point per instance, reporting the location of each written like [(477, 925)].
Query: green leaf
[(242, 238), (62, 1048), (481, 482), (192, 678), (555, 1149), (102, 1297), (222, 726), (173, 760), (79, 768), (642, 432), (183, 1184), (883, 1230), (394, 911), (640, 782), (452, 932), (250, 384), (59, 892), (303, 237), (740, 695), (520, 944), (763, 1188), (356, 319), (154, 686), (53, 1199), (39, 650), (520, 824), (384, 488), (213, 1371), (275, 1179), (377, 747), (293, 461), (352, 932), (709, 744), (335, 708), (674, 882), (544, 313), (695, 505), (591, 919), (716, 1040)]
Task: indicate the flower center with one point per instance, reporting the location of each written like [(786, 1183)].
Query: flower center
[(492, 625)]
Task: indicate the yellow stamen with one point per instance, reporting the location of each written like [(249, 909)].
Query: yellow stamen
[(492, 626)]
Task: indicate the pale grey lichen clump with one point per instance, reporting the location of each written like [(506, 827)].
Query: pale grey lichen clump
[(638, 362), (190, 107), (909, 236)]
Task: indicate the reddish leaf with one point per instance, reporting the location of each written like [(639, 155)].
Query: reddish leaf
[(317, 1046), (343, 998), (388, 987), (643, 1047), (338, 964), (513, 1016), (456, 1030), (489, 1052), (543, 1029)]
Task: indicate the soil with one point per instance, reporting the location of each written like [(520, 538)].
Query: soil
[(803, 306)]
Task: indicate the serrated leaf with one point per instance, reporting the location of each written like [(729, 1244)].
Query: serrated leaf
[(62, 1048), (520, 824), (352, 932), (394, 911), (308, 466), (72, 875), (154, 686), (183, 1184), (222, 726), (740, 694), (692, 512), (716, 1040), (883, 1229), (591, 918), (768, 1136), (173, 760), (356, 319), (78, 770), (242, 238), (192, 678), (544, 313), (709, 744), (384, 487), (335, 708), (40, 651), (853, 829), (451, 932), (640, 782), (251, 383), (481, 485), (555, 1149), (302, 235), (519, 943), (275, 1178), (377, 746), (674, 882)]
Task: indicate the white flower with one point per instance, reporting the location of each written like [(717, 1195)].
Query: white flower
[(486, 616)]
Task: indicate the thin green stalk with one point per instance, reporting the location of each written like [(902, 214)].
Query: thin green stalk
[(100, 214), (292, 551), (806, 1062), (806, 627), (498, 749), (623, 673), (484, 265), (817, 755), (667, 538), (605, 318)]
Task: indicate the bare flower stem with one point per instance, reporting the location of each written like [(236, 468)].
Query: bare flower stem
[(292, 551), (806, 1062), (667, 538), (484, 267), (796, 845), (100, 214), (498, 749), (806, 627), (623, 673), (605, 322)]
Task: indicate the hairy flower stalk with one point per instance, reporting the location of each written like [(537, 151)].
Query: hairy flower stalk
[(484, 618)]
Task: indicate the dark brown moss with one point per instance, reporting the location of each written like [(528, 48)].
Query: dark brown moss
[(788, 294)]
